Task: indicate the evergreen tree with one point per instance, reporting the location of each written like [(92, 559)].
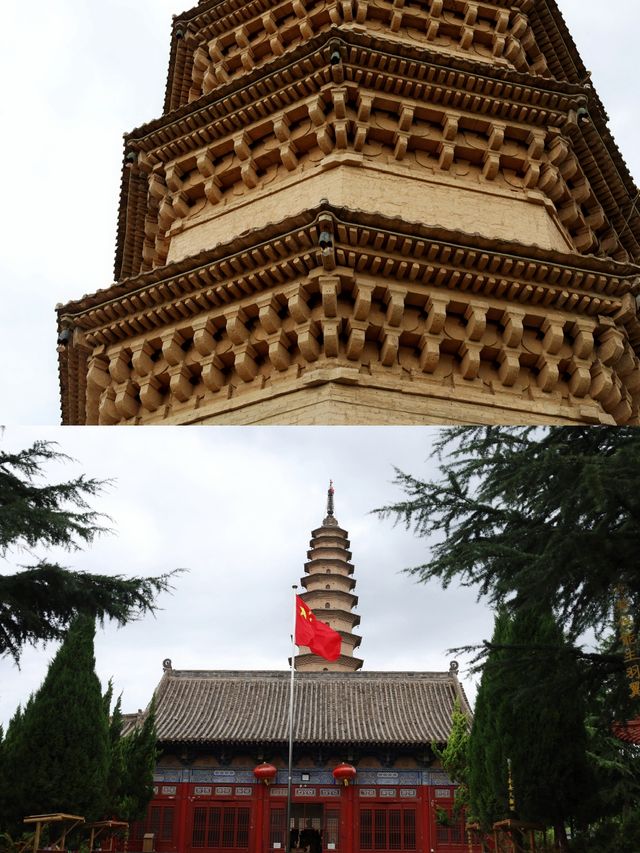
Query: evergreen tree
[(40, 602), (7, 783), (56, 754), (139, 753), (455, 756), (535, 518), (615, 799), (2, 751), (542, 735), (487, 792), (116, 756)]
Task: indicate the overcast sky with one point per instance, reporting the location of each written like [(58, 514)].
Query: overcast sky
[(76, 74), (236, 506)]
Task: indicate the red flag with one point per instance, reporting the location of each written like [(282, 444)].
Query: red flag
[(318, 636)]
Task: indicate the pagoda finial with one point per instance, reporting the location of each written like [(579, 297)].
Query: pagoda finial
[(330, 499)]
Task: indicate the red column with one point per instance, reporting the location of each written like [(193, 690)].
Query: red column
[(182, 816), (349, 793), (426, 813), (258, 827)]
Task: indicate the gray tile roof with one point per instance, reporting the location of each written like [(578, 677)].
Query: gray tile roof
[(359, 707)]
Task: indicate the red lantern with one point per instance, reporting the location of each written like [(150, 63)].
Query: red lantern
[(344, 773), (265, 773)]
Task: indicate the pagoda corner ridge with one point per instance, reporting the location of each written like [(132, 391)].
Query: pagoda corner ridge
[(358, 212)]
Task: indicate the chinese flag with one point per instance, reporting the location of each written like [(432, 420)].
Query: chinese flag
[(318, 636)]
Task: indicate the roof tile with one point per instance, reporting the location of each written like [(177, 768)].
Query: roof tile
[(354, 707)]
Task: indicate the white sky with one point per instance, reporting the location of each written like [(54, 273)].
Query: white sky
[(75, 75), (237, 506)]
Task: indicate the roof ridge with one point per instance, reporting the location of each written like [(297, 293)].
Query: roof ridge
[(285, 673)]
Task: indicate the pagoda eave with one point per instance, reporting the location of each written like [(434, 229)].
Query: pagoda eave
[(327, 561), (621, 274), (324, 615), (347, 663), (314, 553), (313, 597), (329, 577), (598, 287)]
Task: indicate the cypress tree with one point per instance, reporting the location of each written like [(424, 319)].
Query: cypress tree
[(57, 758), (139, 753), (487, 791), (116, 757), (10, 780), (546, 734), (540, 729)]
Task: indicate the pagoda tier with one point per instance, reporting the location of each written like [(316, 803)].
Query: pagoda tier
[(330, 578), (328, 592), (367, 212), (312, 663), (326, 564)]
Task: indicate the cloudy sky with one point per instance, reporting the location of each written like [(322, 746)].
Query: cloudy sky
[(77, 74), (236, 506)]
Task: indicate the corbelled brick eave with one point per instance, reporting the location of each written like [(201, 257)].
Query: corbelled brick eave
[(304, 219)]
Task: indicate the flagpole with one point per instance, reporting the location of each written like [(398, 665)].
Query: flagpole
[(294, 587)]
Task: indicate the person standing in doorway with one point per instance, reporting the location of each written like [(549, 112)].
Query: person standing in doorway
[(310, 839)]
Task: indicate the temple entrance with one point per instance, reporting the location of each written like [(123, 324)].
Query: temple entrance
[(315, 825), (307, 827)]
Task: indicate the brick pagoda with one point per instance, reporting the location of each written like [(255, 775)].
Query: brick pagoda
[(329, 585), (367, 211)]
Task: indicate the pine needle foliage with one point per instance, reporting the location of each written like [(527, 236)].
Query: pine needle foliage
[(35, 514), (39, 602), (532, 517)]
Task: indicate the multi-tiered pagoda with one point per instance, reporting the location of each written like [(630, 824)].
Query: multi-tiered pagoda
[(329, 585), (367, 211)]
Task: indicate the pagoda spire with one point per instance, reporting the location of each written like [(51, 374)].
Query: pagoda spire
[(330, 507), (328, 583)]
